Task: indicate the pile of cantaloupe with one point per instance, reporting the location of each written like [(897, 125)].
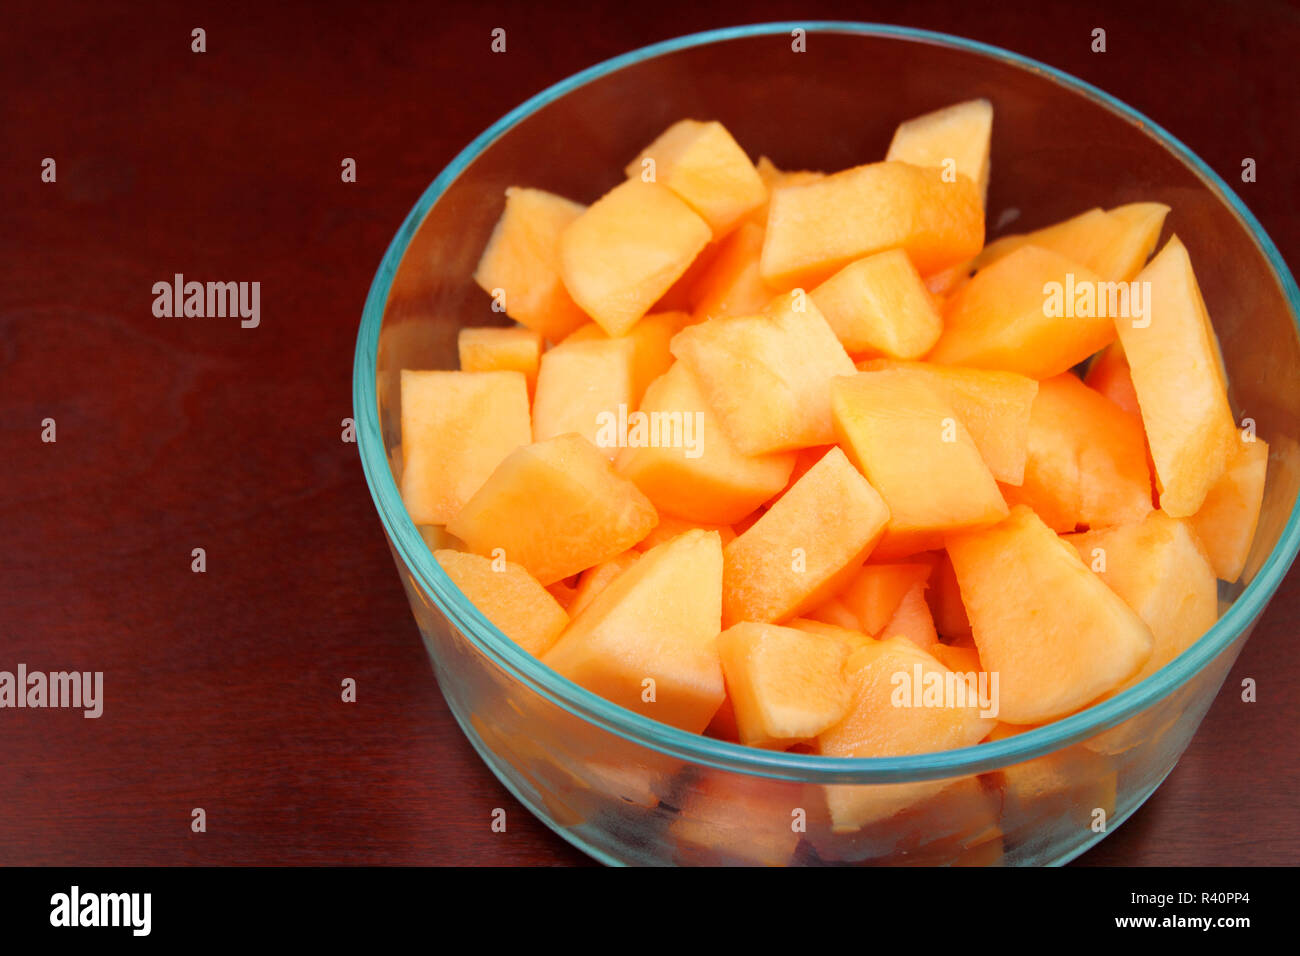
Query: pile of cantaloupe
[(761, 442)]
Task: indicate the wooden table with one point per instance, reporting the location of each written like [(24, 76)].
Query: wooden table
[(172, 434)]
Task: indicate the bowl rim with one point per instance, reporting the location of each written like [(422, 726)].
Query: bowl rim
[(724, 755)]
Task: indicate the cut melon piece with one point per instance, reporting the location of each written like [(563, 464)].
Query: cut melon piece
[(687, 465), (876, 591), (593, 580), (1027, 313), (670, 526), (945, 602), (489, 349), (732, 284), (723, 725), (1161, 571), (1114, 244), (836, 613), (620, 256), (456, 428), (1056, 635), (880, 306), (556, 507), (649, 338), (817, 229), (959, 660), (916, 452), (994, 407), (956, 137), (648, 641), (706, 167), (509, 597), (585, 388), (1108, 374), (851, 637), (1228, 517), (765, 376), (912, 620), (884, 721), (774, 179), (804, 547), (786, 685), (520, 268), (732, 819), (1173, 357), (1087, 465)]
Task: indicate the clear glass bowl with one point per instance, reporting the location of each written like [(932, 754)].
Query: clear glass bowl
[(627, 789)]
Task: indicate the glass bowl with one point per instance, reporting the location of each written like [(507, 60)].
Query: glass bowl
[(630, 790)]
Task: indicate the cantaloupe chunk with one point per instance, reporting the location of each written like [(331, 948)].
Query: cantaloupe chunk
[(581, 387), (916, 452), (1087, 465), (1159, 568), (1006, 318), (1228, 517), (876, 591), (774, 178), (594, 580), (659, 622), (994, 407), (833, 612), (555, 507), (804, 547), (850, 637), (1173, 357), (880, 306), (520, 267), (765, 376), (958, 135), (510, 598), (1055, 634), (649, 338), (723, 725), (912, 620), (706, 167), (688, 466), (732, 284), (883, 721), (786, 685), (1114, 244), (456, 428), (670, 526), (621, 255), (960, 660), (490, 349), (732, 819), (563, 591), (817, 229), (1108, 375)]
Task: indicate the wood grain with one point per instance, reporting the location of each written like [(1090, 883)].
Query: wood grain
[(223, 688)]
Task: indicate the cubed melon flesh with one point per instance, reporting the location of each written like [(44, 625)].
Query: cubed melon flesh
[(620, 256), (456, 428), (648, 641), (834, 612), (880, 306), (765, 376), (732, 285), (994, 407), (958, 135), (705, 166), (585, 388), (1026, 313), (687, 465), (774, 178), (509, 597), (912, 620), (876, 591), (555, 507), (1056, 635), (520, 267), (1159, 568), (1228, 517), (816, 229), (850, 636), (786, 685), (593, 580), (1114, 244), (670, 526), (959, 660), (884, 720), (804, 547), (915, 451), (1108, 374), (490, 349), (650, 338), (1087, 465), (1173, 357)]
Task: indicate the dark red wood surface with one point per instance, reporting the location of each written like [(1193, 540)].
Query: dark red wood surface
[(222, 688)]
